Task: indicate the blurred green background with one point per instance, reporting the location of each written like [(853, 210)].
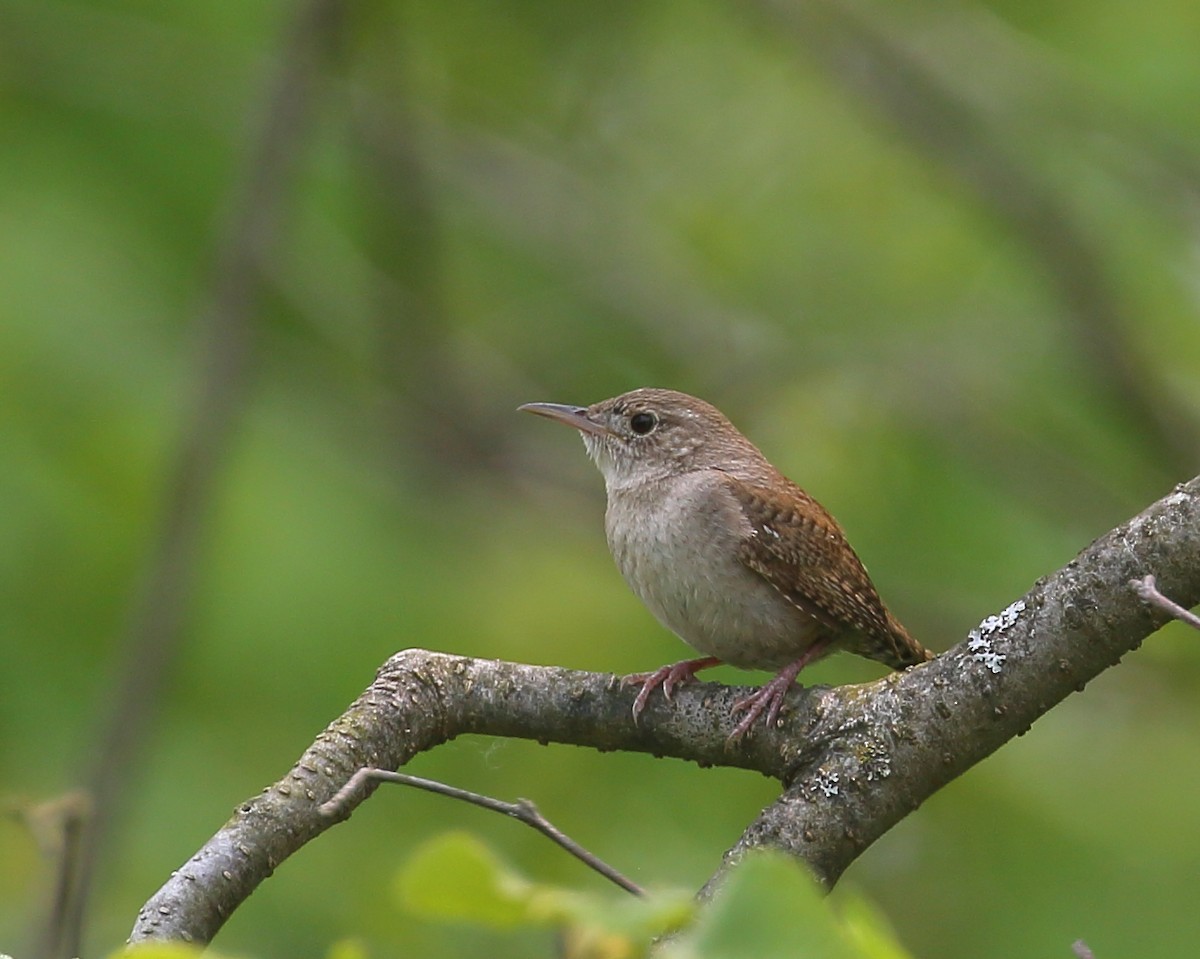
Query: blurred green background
[(939, 261)]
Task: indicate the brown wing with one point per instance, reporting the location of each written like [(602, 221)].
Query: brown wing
[(801, 550)]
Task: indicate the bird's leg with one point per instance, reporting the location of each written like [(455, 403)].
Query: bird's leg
[(770, 696), (668, 677)]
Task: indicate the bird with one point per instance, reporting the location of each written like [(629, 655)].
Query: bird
[(729, 554)]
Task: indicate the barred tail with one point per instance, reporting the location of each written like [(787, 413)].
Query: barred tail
[(902, 651)]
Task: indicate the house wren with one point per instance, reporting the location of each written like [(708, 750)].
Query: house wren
[(727, 553)]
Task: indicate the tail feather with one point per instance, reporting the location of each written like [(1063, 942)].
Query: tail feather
[(901, 651)]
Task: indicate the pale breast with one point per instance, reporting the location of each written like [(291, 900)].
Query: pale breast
[(675, 542)]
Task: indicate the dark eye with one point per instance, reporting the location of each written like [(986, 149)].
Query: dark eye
[(642, 423)]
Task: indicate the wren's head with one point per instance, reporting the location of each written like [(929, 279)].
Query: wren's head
[(651, 434)]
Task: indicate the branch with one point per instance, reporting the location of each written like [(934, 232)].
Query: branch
[(854, 760), (523, 810)]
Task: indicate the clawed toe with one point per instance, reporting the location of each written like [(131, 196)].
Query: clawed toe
[(668, 677), (769, 699), (649, 682), (766, 699)]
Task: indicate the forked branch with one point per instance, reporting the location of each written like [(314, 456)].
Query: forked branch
[(853, 760)]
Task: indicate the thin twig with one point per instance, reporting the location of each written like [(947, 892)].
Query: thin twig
[(523, 810), (1147, 589), (58, 826)]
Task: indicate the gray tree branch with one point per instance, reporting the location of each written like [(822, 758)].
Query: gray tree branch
[(853, 760)]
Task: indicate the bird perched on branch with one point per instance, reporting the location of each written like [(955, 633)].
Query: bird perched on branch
[(727, 552)]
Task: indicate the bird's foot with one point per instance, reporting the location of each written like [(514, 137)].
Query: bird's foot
[(769, 697), (668, 677)]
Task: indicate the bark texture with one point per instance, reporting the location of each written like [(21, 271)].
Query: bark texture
[(853, 760)]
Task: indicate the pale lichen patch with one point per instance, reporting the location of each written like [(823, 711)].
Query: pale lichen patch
[(827, 782), (979, 641)]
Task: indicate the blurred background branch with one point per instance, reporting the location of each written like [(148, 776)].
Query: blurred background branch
[(871, 56), (160, 607)]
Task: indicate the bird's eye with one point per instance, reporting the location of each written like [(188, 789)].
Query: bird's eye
[(642, 423)]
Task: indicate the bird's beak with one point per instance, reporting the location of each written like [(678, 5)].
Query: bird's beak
[(571, 415)]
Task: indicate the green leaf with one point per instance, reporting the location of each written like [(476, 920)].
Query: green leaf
[(163, 950), (770, 907), (347, 949), (455, 876), (869, 929)]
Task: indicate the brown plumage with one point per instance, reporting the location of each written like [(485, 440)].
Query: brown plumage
[(727, 552), (803, 553)]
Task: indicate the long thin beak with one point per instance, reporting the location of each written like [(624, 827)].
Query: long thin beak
[(570, 415)]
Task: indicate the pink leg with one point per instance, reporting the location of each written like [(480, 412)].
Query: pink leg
[(770, 696), (668, 677)]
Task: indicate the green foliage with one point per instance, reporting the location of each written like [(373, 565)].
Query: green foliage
[(454, 876), (166, 950), (343, 949), (503, 202), (770, 907), (348, 949), (767, 907), (457, 877)]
